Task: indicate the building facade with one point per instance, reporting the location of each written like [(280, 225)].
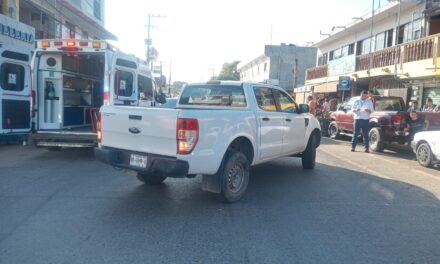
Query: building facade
[(282, 65), (393, 51), (61, 19)]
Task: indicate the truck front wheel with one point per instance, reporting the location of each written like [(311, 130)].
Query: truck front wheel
[(309, 155), (234, 176), (150, 179)]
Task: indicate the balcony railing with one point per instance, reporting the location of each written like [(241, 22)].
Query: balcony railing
[(416, 50), (317, 72)]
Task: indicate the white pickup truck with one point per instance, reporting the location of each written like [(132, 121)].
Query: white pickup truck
[(218, 130)]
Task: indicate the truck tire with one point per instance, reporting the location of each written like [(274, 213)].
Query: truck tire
[(424, 155), (376, 139), (309, 155), (333, 130), (234, 176), (150, 179)]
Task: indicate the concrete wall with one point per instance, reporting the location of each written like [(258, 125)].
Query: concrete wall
[(282, 63)]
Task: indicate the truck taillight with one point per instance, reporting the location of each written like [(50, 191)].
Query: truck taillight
[(106, 98), (187, 135), (98, 128)]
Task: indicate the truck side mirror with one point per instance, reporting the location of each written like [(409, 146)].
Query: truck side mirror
[(303, 108)]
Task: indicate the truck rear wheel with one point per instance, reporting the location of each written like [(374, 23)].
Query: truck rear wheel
[(150, 179), (234, 176), (376, 139), (309, 155)]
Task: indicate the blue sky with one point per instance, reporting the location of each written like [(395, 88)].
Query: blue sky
[(200, 35)]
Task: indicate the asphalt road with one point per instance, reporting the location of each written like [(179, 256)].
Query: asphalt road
[(64, 207)]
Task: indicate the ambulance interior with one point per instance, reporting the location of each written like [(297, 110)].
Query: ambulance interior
[(70, 95)]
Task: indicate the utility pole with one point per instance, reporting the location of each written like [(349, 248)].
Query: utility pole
[(149, 41), (169, 78)]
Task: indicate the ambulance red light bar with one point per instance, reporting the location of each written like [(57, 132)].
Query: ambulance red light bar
[(71, 43), (84, 43), (58, 43)]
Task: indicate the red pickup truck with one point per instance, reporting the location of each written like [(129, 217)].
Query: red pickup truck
[(387, 122)]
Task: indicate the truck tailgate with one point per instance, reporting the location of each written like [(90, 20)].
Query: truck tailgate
[(148, 130)]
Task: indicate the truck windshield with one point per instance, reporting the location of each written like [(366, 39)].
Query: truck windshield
[(389, 104), (213, 95)]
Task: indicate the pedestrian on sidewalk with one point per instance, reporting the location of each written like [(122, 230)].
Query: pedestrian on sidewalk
[(429, 106), (312, 105), (362, 108), (414, 107)]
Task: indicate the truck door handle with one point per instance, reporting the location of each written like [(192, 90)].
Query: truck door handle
[(288, 119), (134, 117), (266, 118)]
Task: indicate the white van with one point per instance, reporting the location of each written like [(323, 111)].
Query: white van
[(16, 47), (72, 79)]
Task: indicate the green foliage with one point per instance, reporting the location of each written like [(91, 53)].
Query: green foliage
[(228, 72), (176, 87)]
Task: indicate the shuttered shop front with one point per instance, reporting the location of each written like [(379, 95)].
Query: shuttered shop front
[(432, 91)]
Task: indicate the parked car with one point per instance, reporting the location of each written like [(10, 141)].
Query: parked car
[(218, 130), (426, 146), (387, 122)]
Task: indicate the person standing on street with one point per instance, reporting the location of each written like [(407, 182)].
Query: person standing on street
[(312, 105), (362, 108), (429, 106)]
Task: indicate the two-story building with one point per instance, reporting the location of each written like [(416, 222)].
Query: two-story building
[(283, 65), (79, 19), (393, 51)]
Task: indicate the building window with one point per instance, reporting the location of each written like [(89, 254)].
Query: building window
[(337, 53), (331, 56), (70, 29), (351, 49), (380, 41), (97, 9), (265, 67), (365, 46)]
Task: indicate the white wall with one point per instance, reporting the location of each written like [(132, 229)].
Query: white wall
[(363, 30)]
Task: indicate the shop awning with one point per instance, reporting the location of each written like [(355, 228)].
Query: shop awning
[(330, 87)]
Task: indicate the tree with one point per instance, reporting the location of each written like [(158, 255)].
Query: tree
[(176, 87), (229, 72)]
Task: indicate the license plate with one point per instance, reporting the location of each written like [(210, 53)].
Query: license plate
[(138, 161)]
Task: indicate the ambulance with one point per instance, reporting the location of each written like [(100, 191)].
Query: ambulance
[(72, 79), (16, 47)]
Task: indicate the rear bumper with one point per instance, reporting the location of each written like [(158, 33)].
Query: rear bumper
[(156, 164), (64, 139)]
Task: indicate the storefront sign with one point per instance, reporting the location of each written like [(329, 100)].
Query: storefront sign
[(342, 65)]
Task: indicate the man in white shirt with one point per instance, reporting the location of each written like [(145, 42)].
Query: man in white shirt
[(362, 108)]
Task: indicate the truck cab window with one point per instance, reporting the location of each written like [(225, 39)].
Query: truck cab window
[(123, 83), (265, 99), (146, 88), (286, 103), (12, 77)]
